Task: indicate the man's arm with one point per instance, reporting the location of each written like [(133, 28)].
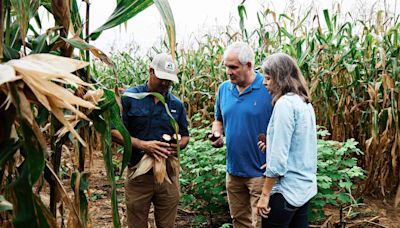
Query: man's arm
[(217, 126), (184, 141)]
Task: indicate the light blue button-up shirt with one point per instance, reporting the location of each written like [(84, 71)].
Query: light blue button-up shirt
[(292, 149)]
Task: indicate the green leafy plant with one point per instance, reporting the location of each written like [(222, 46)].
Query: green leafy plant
[(337, 174), (203, 175)]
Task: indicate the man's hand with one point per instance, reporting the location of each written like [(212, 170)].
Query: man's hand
[(262, 146), (262, 206), (216, 138), (156, 149), (173, 148), (218, 143)]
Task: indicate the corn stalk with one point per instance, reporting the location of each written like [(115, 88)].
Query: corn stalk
[(42, 90)]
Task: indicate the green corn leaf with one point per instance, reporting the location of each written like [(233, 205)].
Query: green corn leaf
[(169, 22), (102, 120), (282, 15), (125, 10), (10, 53), (242, 14), (8, 148), (302, 21), (83, 188), (328, 20), (76, 18), (80, 44), (21, 8), (39, 44), (27, 213), (103, 126), (118, 124)]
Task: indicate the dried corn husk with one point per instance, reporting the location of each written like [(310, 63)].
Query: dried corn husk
[(160, 170), (39, 72)]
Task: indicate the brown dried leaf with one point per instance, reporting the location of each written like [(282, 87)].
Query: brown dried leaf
[(35, 88), (32, 66), (159, 170), (94, 96), (60, 116), (51, 89), (65, 198), (7, 74), (145, 164), (103, 57), (25, 108), (58, 63)]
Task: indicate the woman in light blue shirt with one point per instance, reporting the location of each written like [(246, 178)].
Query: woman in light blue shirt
[(291, 147)]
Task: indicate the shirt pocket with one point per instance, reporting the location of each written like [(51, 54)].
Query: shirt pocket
[(137, 119), (165, 116)]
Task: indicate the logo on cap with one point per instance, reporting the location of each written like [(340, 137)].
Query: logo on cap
[(169, 66)]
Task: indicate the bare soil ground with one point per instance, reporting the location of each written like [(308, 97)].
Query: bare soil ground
[(373, 213)]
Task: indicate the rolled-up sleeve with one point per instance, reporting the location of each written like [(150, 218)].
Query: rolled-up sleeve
[(279, 137)]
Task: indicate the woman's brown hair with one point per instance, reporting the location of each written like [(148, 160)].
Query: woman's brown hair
[(285, 77)]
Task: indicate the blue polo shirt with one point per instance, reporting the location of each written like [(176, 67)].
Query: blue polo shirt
[(244, 117), (146, 120)]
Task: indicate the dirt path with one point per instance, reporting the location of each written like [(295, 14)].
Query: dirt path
[(370, 214)]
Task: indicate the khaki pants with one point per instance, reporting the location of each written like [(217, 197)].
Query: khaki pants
[(142, 191), (243, 195)]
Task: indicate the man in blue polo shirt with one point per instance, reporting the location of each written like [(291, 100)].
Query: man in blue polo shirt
[(146, 121), (242, 112)]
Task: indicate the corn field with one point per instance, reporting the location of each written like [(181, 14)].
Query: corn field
[(352, 68), (51, 101)]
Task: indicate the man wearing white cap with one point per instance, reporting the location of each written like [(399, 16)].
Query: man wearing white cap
[(147, 120)]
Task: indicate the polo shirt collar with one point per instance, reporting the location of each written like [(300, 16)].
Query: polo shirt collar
[(256, 84)]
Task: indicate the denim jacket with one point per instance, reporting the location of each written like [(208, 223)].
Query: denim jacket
[(292, 149)]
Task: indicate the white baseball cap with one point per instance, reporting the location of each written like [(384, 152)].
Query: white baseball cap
[(164, 67)]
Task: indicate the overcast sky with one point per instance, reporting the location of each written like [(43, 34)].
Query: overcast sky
[(196, 17)]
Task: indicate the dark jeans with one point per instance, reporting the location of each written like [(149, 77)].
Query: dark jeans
[(285, 215)]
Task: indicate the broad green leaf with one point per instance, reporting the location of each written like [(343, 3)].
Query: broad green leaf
[(8, 148), (328, 20), (76, 19), (27, 213), (82, 189), (10, 53), (107, 157), (125, 10), (243, 15), (39, 44), (169, 22), (117, 122), (102, 123), (83, 45), (21, 8)]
